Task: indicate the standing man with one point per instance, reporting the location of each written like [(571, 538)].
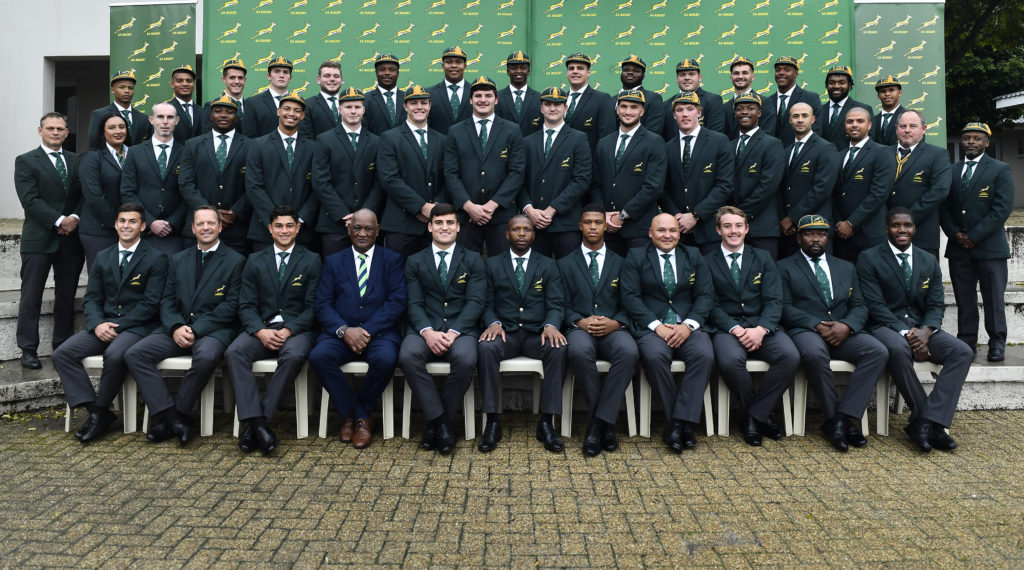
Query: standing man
[(630, 175), (46, 180), (631, 75), (450, 98), (689, 78), (906, 319), (520, 103), (596, 326), (199, 317), (261, 116), (523, 311), (411, 175), (492, 147), (233, 77), (922, 179), (558, 167), (788, 94), (745, 324), (121, 306), (832, 117), (277, 311), (700, 173), (864, 184), (590, 111), (883, 127), (447, 288), (759, 164), (213, 172), (385, 107), (322, 111), (345, 173), (190, 119), (359, 301), (122, 86), (741, 73), (279, 172), (973, 218), (812, 166), (149, 178), (824, 314), (667, 292)]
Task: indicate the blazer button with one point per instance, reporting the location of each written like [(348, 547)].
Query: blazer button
[(543, 181), (520, 309), (221, 187), (430, 183), (446, 303), (482, 173), (963, 211)]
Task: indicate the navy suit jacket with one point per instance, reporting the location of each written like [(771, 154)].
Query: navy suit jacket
[(756, 179), (140, 131), (377, 118), (337, 299), (100, 175), (922, 184), (706, 187), (202, 181), (530, 120)]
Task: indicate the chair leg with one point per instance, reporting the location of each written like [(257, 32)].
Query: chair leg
[(709, 417), (68, 412), (630, 410), (302, 404), (787, 412), (567, 404), (865, 425), (645, 406), (882, 404), (723, 408), (206, 408), (129, 397), (536, 394), (406, 410), (388, 402), (799, 403), (234, 427), (325, 401), (145, 418), (469, 412)]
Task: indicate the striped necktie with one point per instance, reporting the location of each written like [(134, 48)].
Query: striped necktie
[(361, 275)]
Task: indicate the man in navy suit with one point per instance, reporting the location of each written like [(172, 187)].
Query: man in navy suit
[(122, 85), (449, 99), (359, 300), (190, 118), (385, 108), (519, 102)]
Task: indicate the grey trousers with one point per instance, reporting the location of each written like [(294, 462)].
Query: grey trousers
[(245, 350), (862, 349), (413, 357), (521, 343), (620, 350), (687, 402), (777, 350), (148, 352), (67, 359)]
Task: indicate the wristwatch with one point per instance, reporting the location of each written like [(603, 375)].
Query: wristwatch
[(623, 216), (341, 331)]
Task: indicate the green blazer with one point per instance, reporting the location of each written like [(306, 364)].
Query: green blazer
[(542, 303), (471, 175), (582, 298), (211, 307), (803, 305), (408, 179), (636, 185), (885, 292), (160, 196), (100, 175), (455, 305), (757, 175), (44, 198), (132, 300), (559, 179), (981, 211), (643, 289), (861, 191), (923, 185), (264, 295), (269, 182), (345, 180), (203, 182), (706, 187), (756, 302)]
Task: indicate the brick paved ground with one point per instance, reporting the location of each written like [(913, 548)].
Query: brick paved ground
[(123, 501)]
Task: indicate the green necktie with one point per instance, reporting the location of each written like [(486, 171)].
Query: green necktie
[(595, 275), (362, 275), (282, 267), (205, 254), (669, 277), (547, 142), (835, 115), (161, 159), (239, 103), (823, 284), (734, 267), (965, 180), (124, 261), (442, 268), (188, 115), (782, 104), (354, 138), (483, 135), (521, 274), (423, 141), (796, 151), (519, 102), (849, 160), (120, 156), (742, 145), (127, 120), (454, 100), (290, 151), (686, 154), (62, 170), (621, 152), (885, 121), (222, 151), (334, 109), (572, 106), (390, 102), (908, 271)]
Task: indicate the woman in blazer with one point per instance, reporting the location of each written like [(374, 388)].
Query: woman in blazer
[(101, 185)]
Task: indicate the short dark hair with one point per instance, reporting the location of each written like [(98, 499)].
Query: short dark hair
[(208, 207), (442, 209), (898, 211), (98, 139), (53, 115), (132, 207), (592, 207), (284, 210)]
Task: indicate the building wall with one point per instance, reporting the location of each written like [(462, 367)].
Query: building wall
[(1011, 143)]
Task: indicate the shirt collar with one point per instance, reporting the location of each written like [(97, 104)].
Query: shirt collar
[(842, 103), (448, 85), (488, 118), (284, 136), (289, 251), (113, 151), (512, 89), (631, 132), (183, 102), (525, 256), (587, 251), (581, 90), (450, 251), (358, 131), (912, 147), (384, 92), (749, 133), (860, 145), (132, 249), (169, 143), (230, 134), (212, 249), (809, 259), (555, 128), (326, 95), (274, 94), (121, 109), (895, 250), (696, 131), (806, 138), (48, 150), (414, 128), (727, 253), (369, 252), (788, 93)]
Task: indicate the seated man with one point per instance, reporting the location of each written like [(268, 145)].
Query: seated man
[(199, 314), (668, 294), (906, 319), (523, 310), (277, 313), (359, 300), (121, 305), (824, 314), (595, 322), (447, 287), (745, 324)]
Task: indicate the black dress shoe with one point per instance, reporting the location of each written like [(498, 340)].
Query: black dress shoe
[(181, 428), (770, 429), (547, 435), (592, 441), (86, 426), (429, 437), (160, 431), (101, 422), (608, 439), (941, 440), (265, 439), (995, 354), (854, 436), (490, 437), (751, 434), (834, 430), (30, 360), (920, 432), (247, 441), (674, 435), (444, 442), (689, 437)]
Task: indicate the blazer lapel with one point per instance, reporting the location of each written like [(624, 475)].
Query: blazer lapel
[(414, 146), (454, 266), (211, 267), (911, 160), (279, 146), (630, 145), (559, 138), (976, 176), (133, 263)]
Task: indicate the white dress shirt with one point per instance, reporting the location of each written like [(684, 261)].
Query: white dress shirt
[(694, 325)]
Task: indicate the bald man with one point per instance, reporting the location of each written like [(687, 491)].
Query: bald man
[(808, 178)]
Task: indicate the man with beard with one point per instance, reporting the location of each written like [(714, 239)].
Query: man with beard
[(788, 94), (385, 105), (832, 117), (689, 78), (632, 78), (450, 98), (519, 102), (741, 73), (812, 166), (322, 111)]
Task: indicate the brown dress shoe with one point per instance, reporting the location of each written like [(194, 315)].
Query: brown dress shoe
[(346, 431), (363, 434)]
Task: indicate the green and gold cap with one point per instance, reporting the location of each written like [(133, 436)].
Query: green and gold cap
[(841, 70), (483, 82), (416, 92), (788, 60), (279, 61), (635, 60), (976, 128), (687, 98), (554, 94), (813, 222), (350, 94), (740, 59), (120, 75), (236, 64), (295, 98), (634, 95), (454, 51), (184, 68), (386, 58), (888, 81), (750, 97), (224, 101), (518, 57), (688, 65), (578, 57)]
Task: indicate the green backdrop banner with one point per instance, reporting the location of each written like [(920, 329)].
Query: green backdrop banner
[(662, 32), (151, 40)]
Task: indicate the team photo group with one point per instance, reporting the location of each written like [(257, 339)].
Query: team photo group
[(474, 221)]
